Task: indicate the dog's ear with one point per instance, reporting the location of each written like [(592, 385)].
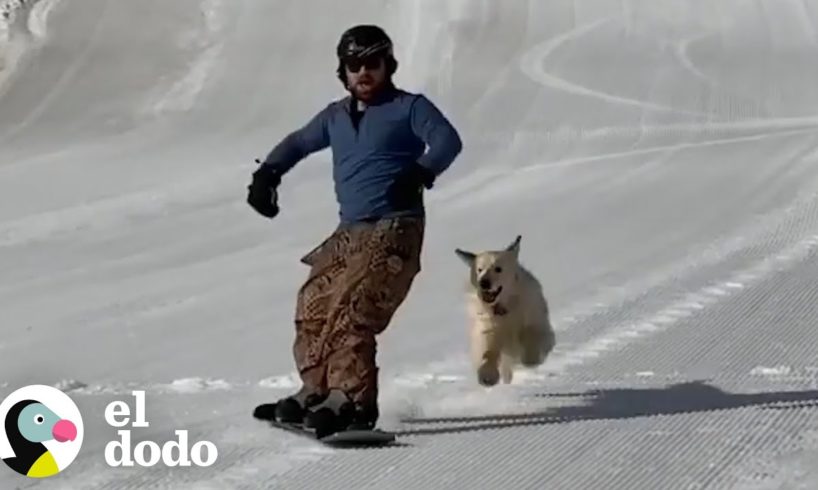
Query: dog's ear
[(465, 256), (515, 245)]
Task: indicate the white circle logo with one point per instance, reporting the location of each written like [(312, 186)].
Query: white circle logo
[(41, 431)]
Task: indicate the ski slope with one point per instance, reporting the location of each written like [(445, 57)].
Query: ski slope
[(659, 160)]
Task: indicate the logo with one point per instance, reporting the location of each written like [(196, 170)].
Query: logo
[(41, 432), (148, 453)]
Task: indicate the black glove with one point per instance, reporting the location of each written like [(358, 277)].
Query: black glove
[(405, 192), (261, 193), (426, 176)]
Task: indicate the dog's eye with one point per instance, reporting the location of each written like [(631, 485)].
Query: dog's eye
[(498, 269)]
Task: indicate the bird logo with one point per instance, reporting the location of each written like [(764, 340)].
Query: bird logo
[(43, 431)]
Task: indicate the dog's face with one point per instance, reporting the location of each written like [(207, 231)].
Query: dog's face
[(493, 271)]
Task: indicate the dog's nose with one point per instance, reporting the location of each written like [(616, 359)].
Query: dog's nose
[(485, 283)]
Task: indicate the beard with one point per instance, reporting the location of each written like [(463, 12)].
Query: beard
[(365, 88)]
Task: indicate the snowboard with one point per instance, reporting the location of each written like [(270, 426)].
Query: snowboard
[(373, 437)]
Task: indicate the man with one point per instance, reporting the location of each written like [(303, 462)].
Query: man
[(363, 271)]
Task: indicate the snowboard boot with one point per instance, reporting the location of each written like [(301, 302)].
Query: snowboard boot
[(365, 416), (337, 413), (288, 410)]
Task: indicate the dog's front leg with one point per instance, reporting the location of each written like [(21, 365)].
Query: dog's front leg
[(486, 350)]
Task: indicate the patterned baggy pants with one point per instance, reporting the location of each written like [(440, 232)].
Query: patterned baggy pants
[(358, 278)]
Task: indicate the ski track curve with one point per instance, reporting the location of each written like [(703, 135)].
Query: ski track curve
[(533, 61), (453, 194), (38, 18), (71, 73), (182, 93), (681, 50), (13, 42)]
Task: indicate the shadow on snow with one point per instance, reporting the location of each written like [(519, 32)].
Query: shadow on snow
[(622, 403)]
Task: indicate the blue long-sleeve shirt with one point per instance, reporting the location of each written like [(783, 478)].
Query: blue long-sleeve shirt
[(392, 135)]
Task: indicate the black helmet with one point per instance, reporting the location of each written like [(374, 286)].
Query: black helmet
[(364, 41)]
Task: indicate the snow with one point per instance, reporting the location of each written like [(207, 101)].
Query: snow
[(658, 159), (9, 50), (771, 371)]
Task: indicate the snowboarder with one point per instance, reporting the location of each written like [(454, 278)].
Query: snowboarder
[(363, 271)]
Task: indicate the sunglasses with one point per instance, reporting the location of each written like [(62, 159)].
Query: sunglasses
[(371, 63)]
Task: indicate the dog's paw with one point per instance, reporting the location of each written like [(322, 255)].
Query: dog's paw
[(488, 375)]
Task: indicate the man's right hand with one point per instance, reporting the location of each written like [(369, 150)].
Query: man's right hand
[(261, 193), (407, 189)]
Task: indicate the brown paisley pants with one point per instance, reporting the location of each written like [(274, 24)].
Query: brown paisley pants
[(358, 278)]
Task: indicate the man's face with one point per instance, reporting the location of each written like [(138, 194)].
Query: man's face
[(365, 77)]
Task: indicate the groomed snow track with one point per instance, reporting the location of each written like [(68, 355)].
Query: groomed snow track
[(660, 161)]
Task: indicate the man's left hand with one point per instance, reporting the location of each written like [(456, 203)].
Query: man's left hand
[(426, 176)]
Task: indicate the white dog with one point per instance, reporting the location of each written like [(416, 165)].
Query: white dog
[(510, 323)]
